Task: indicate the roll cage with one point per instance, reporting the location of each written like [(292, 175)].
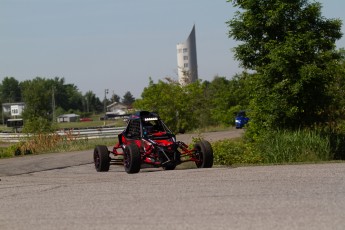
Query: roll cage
[(143, 125)]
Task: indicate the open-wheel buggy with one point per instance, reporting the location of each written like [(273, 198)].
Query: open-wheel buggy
[(147, 140)]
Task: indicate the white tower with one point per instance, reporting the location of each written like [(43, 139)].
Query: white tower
[(187, 64)]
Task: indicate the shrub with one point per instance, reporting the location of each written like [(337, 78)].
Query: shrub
[(234, 151), (13, 150)]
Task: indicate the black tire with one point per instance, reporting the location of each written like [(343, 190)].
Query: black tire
[(101, 158), (132, 159), (169, 166), (204, 154)]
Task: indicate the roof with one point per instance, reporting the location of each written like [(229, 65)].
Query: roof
[(117, 104), (68, 115), (14, 103)]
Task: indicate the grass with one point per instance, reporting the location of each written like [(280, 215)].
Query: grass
[(52, 143), (4, 128), (280, 147), (294, 146), (47, 143)]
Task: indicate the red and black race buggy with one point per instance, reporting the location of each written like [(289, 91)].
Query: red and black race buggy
[(147, 140)]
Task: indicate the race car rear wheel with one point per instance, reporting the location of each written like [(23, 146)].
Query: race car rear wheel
[(204, 154), (101, 158), (132, 159)]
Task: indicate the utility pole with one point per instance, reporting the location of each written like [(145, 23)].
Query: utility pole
[(53, 103), (87, 104), (105, 100)]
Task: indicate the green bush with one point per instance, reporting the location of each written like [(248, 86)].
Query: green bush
[(10, 151), (229, 152)]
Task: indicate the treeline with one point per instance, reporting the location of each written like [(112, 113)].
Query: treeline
[(197, 105), (45, 98)]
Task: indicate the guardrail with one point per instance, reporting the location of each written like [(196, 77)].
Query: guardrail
[(94, 133)]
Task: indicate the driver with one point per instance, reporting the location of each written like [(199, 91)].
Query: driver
[(147, 127)]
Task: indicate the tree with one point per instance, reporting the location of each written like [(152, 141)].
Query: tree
[(74, 98), (181, 108), (93, 103), (290, 47), (228, 97), (115, 98), (128, 99), (337, 107), (10, 90), (37, 95), (66, 96)]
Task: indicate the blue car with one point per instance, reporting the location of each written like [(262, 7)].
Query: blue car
[(241, 120)]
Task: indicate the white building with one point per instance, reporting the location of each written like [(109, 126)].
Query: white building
[(68, 118), (187, 64), (117, 108), (13, 109)]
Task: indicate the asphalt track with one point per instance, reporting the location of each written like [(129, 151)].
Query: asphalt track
[(310, 196), (37, 163)]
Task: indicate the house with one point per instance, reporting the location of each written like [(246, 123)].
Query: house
[(12, 110), (68, 118), (117, 108)]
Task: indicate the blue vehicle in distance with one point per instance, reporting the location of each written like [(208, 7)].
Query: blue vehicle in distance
[(241, 120)]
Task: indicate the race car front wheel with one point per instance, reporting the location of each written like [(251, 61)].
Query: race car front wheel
[(203, 154), (132, 159), (101, 158), (169, 166)]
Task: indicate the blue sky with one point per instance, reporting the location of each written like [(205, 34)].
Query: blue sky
[(118, 44)]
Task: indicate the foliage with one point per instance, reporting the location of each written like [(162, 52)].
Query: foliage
[(181, 107), (337, 105), (10, 90), (38, 125), (92, 103), (279, 147), (40, 93), (38, 101), (7, 152), (227, 97), (46, 98), (51, 142), (198, 104), (128, 99), (293, 146), (291, 49), (229, 152), (115, 98), (161, 97)]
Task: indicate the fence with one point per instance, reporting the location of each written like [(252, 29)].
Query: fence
[(80, 133)]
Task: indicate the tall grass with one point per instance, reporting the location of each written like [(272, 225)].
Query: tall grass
[(277, 148), (294, 146)]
